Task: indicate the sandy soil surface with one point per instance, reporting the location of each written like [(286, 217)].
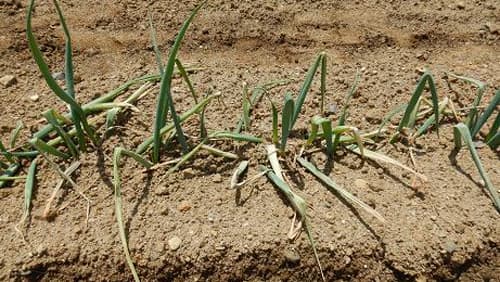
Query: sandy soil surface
[(446, 229)]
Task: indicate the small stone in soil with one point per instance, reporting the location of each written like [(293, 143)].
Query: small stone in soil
[(34, 97), (450, 247), (292, 257), (161, 190), (188, 173), (58, 75), (217, 178), (493, 28), (184, 207), (8, 80), (332, 109), (220, 248), (211, 217), (165, 211), (372, 117), (174, 243)]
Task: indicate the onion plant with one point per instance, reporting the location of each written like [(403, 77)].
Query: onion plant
[(165, 100), (298, 203), (78, 115), (292, 108), (461, 132), (411, 109), (73, 129)]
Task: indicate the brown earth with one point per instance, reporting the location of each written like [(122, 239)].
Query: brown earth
[(446, 229)]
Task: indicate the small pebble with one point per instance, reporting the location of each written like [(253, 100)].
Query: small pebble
[(184, 206), (372, 117), (450, 247), (493, 28), (332, 109), (292, 257), (220, 248), (211, 217), (58, 75), (161, 190), (422, 56), (174, 243), (460, 5), (34, 98), (188, 173), (8, 80), (165, 211), (217, 178)]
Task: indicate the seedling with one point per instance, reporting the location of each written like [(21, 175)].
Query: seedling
[(117, 155), (493, 137), (165, 97), (250, 102), (473, 114), (28, 194), (292, 108), (461, 132), (9, 168), (78, 115), (326, 125), (411, 109), (343, 116), (297, 202), (338, 189), (333, 136)]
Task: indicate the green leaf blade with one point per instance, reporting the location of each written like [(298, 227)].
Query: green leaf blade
[(165, 97), (461, 131)]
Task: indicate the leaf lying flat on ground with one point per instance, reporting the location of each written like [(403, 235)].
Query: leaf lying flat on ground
[(300, 206), (383, 158), (338, 189)]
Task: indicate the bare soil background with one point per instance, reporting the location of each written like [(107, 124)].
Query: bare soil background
[(446, 229)]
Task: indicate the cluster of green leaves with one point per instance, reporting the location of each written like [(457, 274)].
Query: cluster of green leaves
[(469, 129), (161, 128), (466, 130), (9, 161), (476, 118), (292, 108), (333, 136), (413, 111)]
